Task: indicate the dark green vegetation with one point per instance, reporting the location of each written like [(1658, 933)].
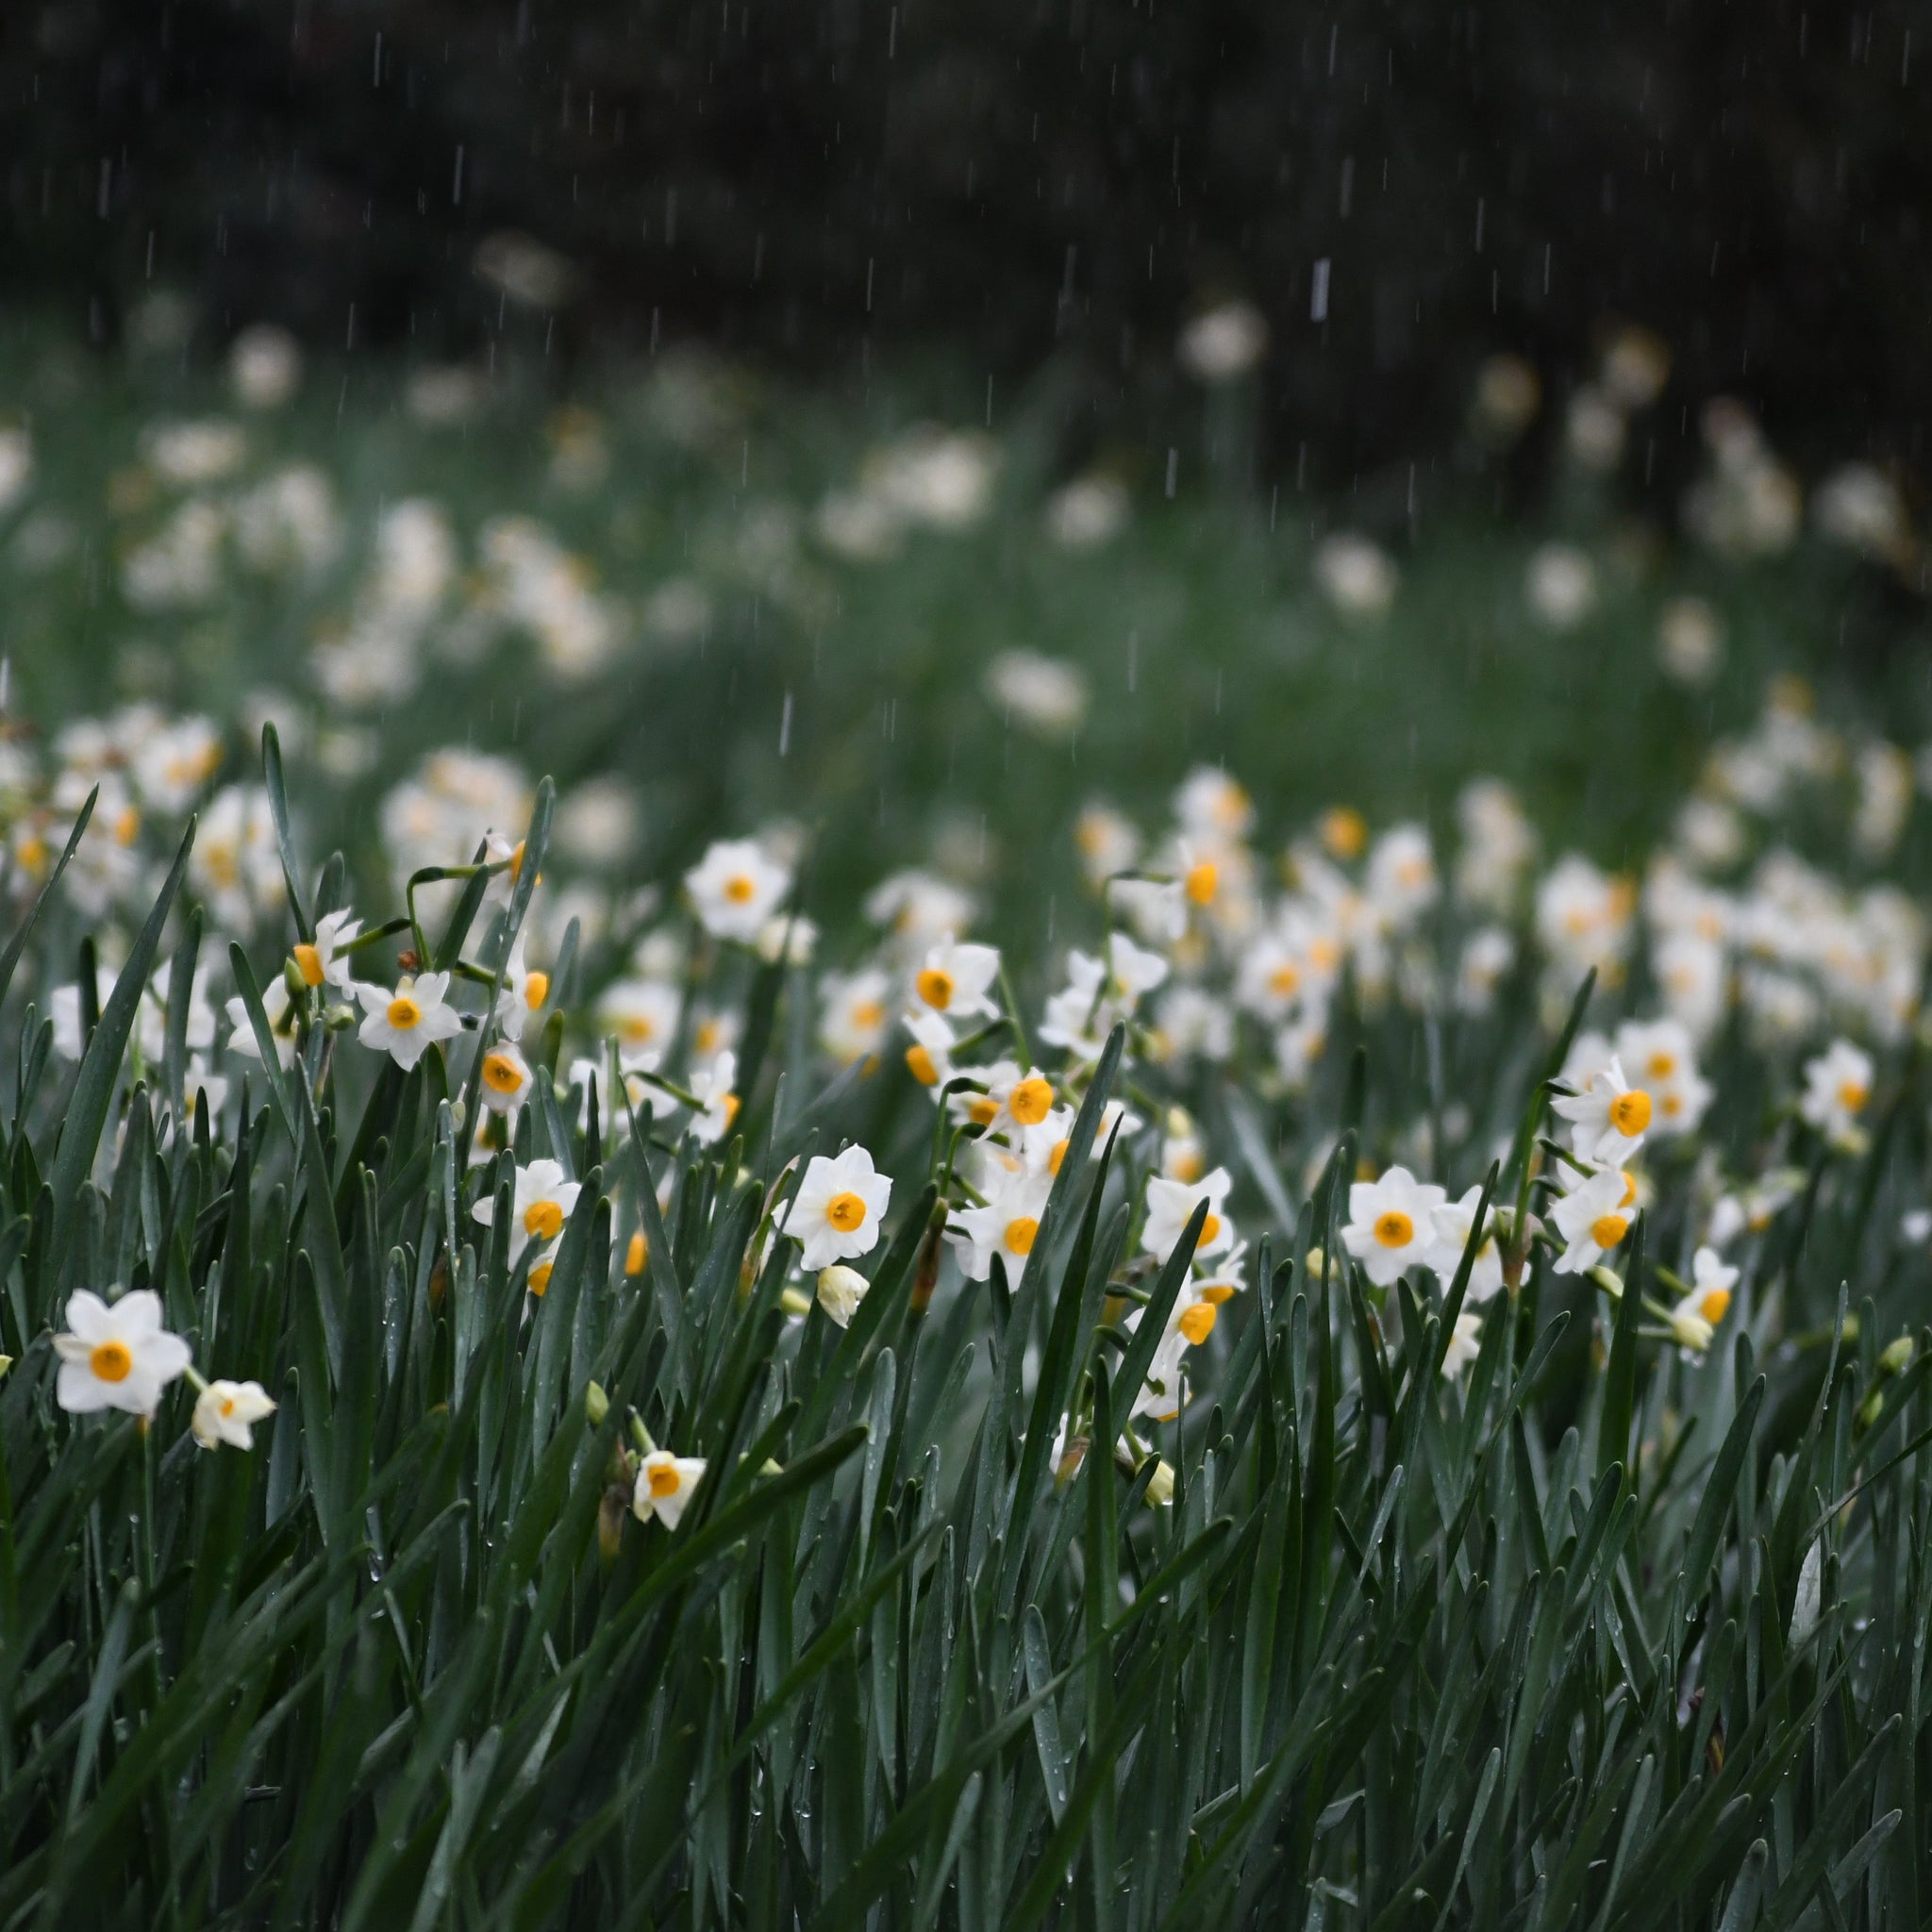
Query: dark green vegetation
[(1570, 1643)]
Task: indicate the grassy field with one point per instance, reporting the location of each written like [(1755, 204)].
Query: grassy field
[(1366, 1369)]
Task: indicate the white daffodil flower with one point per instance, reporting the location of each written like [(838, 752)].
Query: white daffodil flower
[(1695, 1318), (838, 1209), (664, 1486), (1171, 1205), (1837, 1087), (404, 1023), (735, 888), (854, 1014), (541, 1202), (643, 1015), (505, 1079), (1465, 1344), (322, 961), (929, 1059), (953, 979), (1006, 1225), (1391, 1223), (227, 1412), (116, 1355), (1608, 1120), (1594, 1218), (1454, 1222), (718, 1104), (525, 991), (274, 1007)]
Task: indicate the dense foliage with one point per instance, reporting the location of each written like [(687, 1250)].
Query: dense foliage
[(1364, 1366)]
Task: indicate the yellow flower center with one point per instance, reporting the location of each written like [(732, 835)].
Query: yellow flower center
[(516, 861), (1197, 1323), (1212, 1226), (708, 1035), (1853, 1094), (919, 1063), (1022, 1233), (662, 1478), (226, 1406), (502, 1073), (982, 1110), (845, 1212), (635, 1029), (1057, 1156), (1607, 1230), (404, 1012), (740, 889), (127, 827), (1344, 831), (1714, 1304), (536, 990), (637, 1255), (540, 1277), (32, 853), (1285, 980), (111, 1361), (1629, 1186), (543, 1221), (729, 1104), (1203, 880), (1392, 1229), (1630, 1112), (868, 1016), (1218, 1291), (222, 866), (935, 987), (309, 964), (1671, 1105), (1185, 1165), (1030, 1101), (1663, 1065), (1326, 954)]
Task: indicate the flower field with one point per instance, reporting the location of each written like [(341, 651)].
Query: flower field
[(764, 1173)]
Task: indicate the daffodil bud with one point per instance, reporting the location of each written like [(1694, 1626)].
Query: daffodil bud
[(1609, 1280), (1896, 1356), (612, 1506), (596, 1404), (1316, 1263), (840, 1290), (794, 1302), (6, 1363), (1161, 1484)]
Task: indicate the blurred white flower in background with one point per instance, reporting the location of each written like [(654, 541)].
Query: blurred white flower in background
[(1860, 507), (1690, 642), (1223, 342), (1747, 503), (598, 822), (1561, 586), (1636, 366), (1593, 431), (192, 453), (16, 466), (264, 366), (526, 270), (1047, 695), (940, 477), (1356, 573), (450, 393), (1509, 392), (1087, 512)]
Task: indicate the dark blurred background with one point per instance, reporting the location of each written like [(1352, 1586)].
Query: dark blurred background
[(1401, 188)]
